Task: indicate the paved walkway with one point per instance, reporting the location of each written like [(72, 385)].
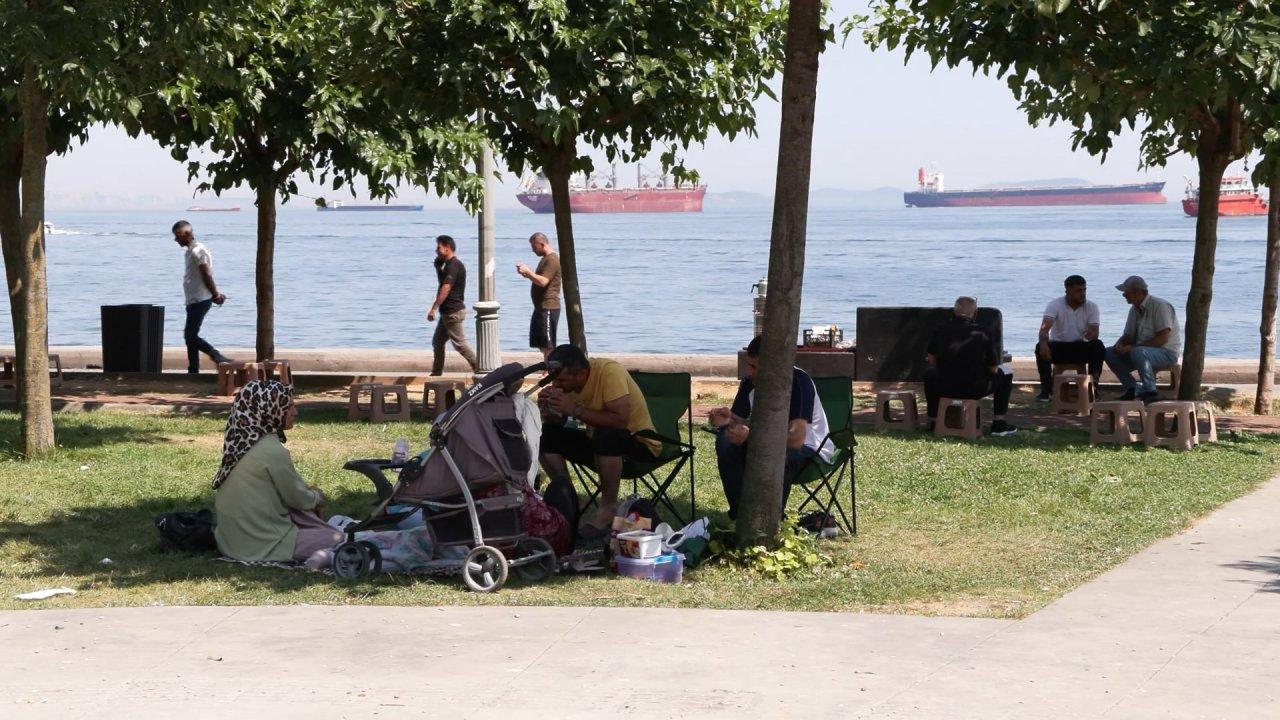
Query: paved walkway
[(1189, 628)]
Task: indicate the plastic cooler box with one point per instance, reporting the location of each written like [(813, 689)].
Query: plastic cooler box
[(667, 568)]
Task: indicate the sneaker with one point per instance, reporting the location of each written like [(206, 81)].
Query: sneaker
[(1000, 428), (1044, 397), (1148, 398), (220, 358), (1128, 395)]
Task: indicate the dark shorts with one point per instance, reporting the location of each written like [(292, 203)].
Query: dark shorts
[(578, 447), (542, 328)]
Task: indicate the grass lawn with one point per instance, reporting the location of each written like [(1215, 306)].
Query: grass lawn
[(995, 528)]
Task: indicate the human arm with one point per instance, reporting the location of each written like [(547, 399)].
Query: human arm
[(531, 276), (1092, 322), (797, 430), (1042, 346), (206, 275), (615, 413), (1126, 338), (440, 298), (293, 490), (1159, 339)]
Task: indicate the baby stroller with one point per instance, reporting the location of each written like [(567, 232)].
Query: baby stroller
[(467, 485)]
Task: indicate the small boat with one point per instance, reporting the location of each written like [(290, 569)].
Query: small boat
[(201, 208), (339, 206), (48, 228), (1237, 197)]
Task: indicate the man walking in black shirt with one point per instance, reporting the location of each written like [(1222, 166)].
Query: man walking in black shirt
[(965, 365), (450, 305)]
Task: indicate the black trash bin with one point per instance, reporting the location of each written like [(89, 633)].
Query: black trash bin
[(132, 338)]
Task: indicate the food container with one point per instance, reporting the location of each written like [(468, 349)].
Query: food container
[(640, 544), (667, 568)]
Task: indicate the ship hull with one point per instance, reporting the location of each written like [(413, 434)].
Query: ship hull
[(648, 200), (1143, 194), (1230, 206)]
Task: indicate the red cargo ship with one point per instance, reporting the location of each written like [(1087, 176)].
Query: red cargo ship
[(930, 193), (1237, 197), (602, 195)]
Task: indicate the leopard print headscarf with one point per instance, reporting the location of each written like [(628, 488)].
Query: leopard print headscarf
[(258, 410)]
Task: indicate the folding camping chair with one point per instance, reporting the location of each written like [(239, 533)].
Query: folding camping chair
[(669, 397), (818, 478)]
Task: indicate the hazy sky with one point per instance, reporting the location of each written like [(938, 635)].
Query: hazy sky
[(877, 120)]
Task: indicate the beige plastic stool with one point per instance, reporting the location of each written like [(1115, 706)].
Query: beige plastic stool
[(395, 411), (1112, 422), (887, 419), (234, 375), (1064, 368), (358, 392), (56, 378), (277, 370), (1171, 424), (1206, 422), (958, 418), (1175, 377), (1073, 393), (440, 395)]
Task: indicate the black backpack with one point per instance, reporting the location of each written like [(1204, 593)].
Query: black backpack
[(561, 495), (189, 531)]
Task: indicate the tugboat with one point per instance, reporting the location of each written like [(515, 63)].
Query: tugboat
[(1237, 197)]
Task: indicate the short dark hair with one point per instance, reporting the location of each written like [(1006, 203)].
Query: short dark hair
[(753, 347), (180, 225), (569, 357), (1073, 281), (446, 241)]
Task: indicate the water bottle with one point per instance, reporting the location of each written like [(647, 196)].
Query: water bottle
[(401, 453)]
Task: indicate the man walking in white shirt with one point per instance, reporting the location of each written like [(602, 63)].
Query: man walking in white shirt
[(1069, 335), (201, 294)]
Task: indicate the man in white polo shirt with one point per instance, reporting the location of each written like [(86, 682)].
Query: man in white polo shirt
[(1069, 335)]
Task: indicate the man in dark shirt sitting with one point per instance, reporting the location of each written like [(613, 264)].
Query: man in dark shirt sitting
[(965, 365)]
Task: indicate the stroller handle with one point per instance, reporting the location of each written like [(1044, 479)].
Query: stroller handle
[(373, 469)]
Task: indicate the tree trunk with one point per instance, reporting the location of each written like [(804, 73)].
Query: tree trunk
[(761, 505), (24, 254), (1215, 150), (1271, 281), (557, 171), (264, 276)]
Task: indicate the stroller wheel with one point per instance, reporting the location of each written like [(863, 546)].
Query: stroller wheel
[(537, 559), (485, 569), (375, 556), (351, 561)]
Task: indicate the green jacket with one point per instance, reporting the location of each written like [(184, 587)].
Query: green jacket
[(253, 504)]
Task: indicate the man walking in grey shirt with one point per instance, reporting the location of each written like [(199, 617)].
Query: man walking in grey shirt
[(1150, 342), (201, 294)]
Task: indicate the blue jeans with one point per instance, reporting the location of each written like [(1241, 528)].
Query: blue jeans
[(732, 460), (191, 335), (1146, 360)]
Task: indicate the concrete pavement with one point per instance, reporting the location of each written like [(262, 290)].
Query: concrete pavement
[(1189, 628)]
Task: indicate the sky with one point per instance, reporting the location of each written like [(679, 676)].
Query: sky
[(877, 120)]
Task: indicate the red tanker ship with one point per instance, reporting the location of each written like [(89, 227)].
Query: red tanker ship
[(1237, 197), (930, 193), (601, 194)]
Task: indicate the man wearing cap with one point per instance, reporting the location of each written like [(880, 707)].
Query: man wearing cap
[(1150, 341), (1069, 335)]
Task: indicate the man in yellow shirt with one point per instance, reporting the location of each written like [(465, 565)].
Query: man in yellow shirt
[(601, 395)]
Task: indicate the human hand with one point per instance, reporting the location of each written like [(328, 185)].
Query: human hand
[(737, 434), (1123, 347), (431, 315), (719, 417), (560, 401), (219, 298), (523, 270)]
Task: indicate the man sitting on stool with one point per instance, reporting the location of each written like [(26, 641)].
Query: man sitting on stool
[(1150, 341), (964, 364), (805, 432), (601, 394), (1069, 335)]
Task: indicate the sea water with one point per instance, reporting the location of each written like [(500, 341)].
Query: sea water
[(656, 283)]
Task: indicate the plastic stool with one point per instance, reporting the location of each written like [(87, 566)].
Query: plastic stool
[(1175, 377), (356, 410), (1073, 393), (56, 378), (395, 411), (440, 395), (229, 377), (1180, 434), (1206, 422), (279, 369), (1111, 422), (1065, 368), (958, 418), (886, 419)]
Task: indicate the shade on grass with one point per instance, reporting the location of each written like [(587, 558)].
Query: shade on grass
[(991, 528)]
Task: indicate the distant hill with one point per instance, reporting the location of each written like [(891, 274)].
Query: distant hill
[(819, 198), (736, 200)]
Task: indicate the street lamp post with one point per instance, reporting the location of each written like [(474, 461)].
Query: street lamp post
[(489, 350)]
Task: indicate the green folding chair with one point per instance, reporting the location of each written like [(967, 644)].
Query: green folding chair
[(669, 397), (820, 480)]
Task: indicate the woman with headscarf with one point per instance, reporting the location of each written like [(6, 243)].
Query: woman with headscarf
[(265, 511)]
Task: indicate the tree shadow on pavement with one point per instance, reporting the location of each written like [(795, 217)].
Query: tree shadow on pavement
[(1269, 564)]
